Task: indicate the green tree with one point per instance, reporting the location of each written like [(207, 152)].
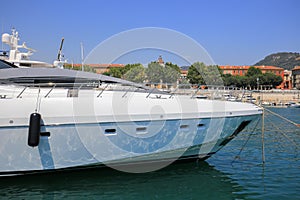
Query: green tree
[(173, 66), (136, 74), (241, 81), (194, 75), (115, 72), (254, 75), (128, 67), (213, 75), (86, 68), (119, 72), (170, 74), (229, 80), (154, 72), (271, 79), (157, 73), (199, 73), (252, 71), (252, 81), (106, 73)]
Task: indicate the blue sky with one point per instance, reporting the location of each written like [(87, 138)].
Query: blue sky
[(233, 32)]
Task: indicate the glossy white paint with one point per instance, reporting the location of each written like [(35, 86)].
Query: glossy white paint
[(90, 130)]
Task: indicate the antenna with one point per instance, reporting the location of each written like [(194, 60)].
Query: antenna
[(60, 48), (82, 56), (2, 31), (59, 63)]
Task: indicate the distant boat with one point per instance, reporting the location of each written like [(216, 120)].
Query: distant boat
[(251, 99), (292, 105), (266, 103), (232, 98), (201, 96)]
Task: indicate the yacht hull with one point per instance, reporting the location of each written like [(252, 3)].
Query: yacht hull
[(82, 145), (114, 129)]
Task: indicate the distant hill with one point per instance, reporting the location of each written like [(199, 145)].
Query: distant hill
[(283, 59)]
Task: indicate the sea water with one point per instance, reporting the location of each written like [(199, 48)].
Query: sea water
[(235, 172)]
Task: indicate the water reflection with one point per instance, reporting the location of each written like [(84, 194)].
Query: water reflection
[(179, 181)]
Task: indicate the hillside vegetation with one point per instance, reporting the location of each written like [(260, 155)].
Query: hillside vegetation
[(286, 60)]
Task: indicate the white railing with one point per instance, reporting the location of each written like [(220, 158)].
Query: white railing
[(48, 90)]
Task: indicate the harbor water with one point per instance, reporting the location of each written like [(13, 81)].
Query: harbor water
[(235, 172)]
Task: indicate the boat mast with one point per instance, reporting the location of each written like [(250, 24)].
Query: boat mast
[(82, 56)]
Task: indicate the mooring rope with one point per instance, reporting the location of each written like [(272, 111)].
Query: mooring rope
[(290, 121), (243, 146), (263, 137), (263, 129), (38, 101), (285, 135)]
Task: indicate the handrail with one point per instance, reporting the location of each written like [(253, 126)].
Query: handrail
[(21, 92), (49, 91), (150, 92), (195, 92), (102, 90), (210, 91), (126, 92)]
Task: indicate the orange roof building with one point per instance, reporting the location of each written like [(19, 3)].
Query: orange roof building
[(242, 71)]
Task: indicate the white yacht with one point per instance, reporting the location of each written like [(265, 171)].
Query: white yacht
[(58, 119), (55, 119)]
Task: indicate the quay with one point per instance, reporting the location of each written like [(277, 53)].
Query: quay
[(276, 97), (279, 97)]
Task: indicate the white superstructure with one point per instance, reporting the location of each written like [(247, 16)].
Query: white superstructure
[(18, 57)]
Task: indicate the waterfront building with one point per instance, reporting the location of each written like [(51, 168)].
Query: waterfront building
[(184, 71), (234, 70), (242, 71), (287, 80), (296, 77)]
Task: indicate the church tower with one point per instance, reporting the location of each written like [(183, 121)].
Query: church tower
[(160, 61)]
